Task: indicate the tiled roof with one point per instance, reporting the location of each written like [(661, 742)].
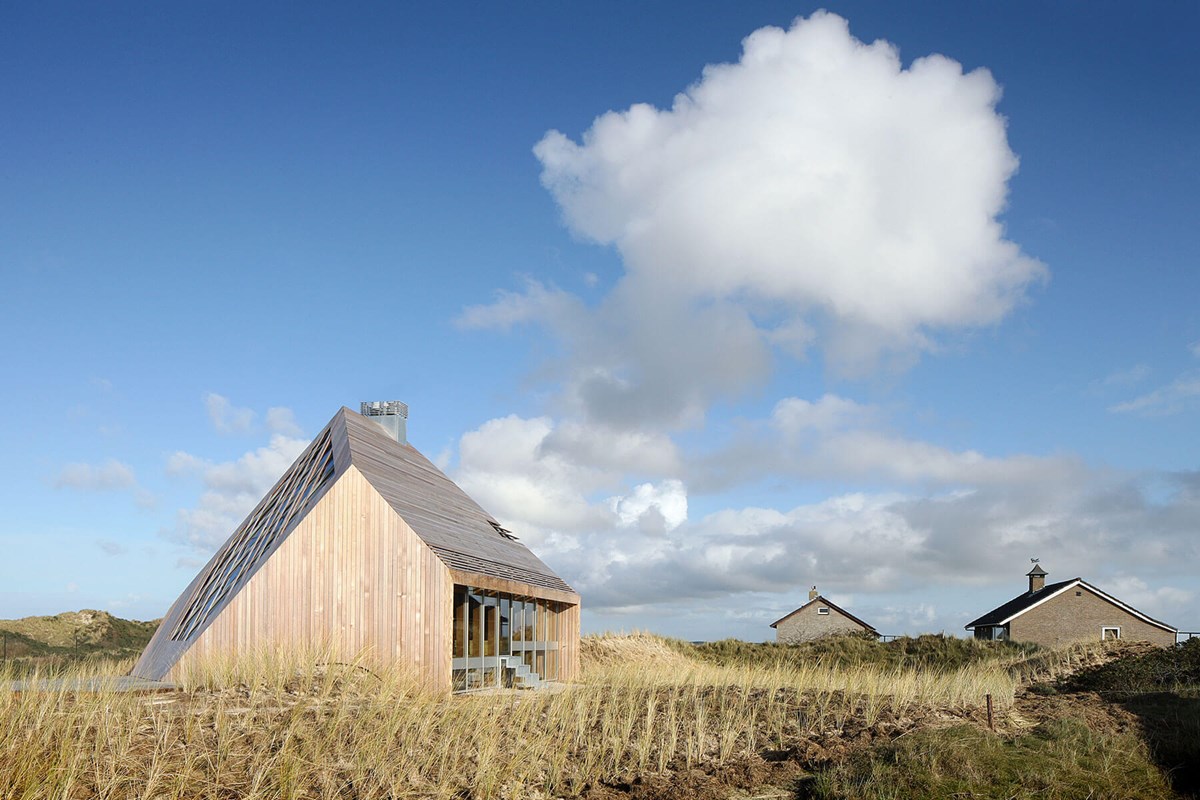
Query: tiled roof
[(1018, 604), (1022, 603)]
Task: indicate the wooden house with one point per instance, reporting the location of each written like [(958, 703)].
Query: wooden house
[(818, 618), (365, 547), (1061, 613)]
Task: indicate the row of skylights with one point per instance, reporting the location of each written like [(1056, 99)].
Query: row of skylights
[(256, 537), (505, 532)]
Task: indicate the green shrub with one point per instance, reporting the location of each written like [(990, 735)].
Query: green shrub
[(929, 651), (1060, 760), (1161, 669)]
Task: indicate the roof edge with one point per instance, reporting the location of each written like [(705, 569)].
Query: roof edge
[(1070, 585), (827, 602)]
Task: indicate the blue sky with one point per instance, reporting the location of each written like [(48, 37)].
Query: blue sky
[(844, 314)]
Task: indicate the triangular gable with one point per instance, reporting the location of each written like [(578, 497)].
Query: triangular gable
[(454, 526), (245, 551), (1012, 609), (834, 606)]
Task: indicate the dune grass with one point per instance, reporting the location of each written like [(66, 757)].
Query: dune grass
[(1059, 760), (310, 725)]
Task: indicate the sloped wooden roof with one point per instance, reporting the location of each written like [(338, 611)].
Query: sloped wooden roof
[(463, 535)]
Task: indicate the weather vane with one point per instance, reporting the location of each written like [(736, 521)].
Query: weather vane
[(1035, 560)]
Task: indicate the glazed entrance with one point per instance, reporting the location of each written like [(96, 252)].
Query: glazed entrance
[(503, 639)]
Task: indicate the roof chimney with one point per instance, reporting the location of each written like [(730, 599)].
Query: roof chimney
[(812, 594), (1037, 577), (392, 415)]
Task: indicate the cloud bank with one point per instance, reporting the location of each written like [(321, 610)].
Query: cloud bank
[(816, 193), (625, 539), (817, 205)]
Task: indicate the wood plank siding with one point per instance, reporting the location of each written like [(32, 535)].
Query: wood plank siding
[(352, 575), (568, 644), (465, 536)]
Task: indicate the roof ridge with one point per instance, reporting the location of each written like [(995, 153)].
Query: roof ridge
[(829, 603), (437, 509), (1005, 612)]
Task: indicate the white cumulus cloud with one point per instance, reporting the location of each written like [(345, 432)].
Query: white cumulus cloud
[(816, 179), (231, 490), (654, 508), (1150, 600), (531, 489)]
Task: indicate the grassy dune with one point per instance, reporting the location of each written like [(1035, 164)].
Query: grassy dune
[(73, 635), (650, 718)]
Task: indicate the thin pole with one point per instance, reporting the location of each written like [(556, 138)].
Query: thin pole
[(991, 724)]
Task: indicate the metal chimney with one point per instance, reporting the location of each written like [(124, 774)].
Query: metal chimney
[(391, 414)]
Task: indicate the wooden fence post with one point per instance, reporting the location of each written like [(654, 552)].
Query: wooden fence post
[(991, 724)]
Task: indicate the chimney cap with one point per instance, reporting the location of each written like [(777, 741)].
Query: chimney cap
[(384, 408)]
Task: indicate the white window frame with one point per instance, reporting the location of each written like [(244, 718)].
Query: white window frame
[(823, 610), (1105, 628)]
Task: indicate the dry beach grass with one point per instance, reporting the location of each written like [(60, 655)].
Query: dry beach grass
[(646, 719)]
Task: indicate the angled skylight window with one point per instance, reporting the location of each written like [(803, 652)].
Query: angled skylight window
[(257, 537), (505, 532)]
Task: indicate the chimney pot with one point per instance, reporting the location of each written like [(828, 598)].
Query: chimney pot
[(812, 593), (1037, 578), (392, 416)]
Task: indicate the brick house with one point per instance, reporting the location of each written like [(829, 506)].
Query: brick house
[(1061, 613), (817, 618)]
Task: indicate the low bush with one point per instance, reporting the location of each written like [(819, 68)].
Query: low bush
[(930, 651), (1060, 760), (1156, 670)]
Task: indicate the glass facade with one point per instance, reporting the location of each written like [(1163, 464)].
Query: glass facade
[(503, 639)]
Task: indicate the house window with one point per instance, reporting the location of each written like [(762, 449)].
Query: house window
[(1079, 594), (822, 610), (502, 639), (1110, 633)]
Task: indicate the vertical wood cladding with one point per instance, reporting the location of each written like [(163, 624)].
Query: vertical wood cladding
[(568, 645), (351, 576)]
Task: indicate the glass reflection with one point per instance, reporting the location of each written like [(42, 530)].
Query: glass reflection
[(502, 639)]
